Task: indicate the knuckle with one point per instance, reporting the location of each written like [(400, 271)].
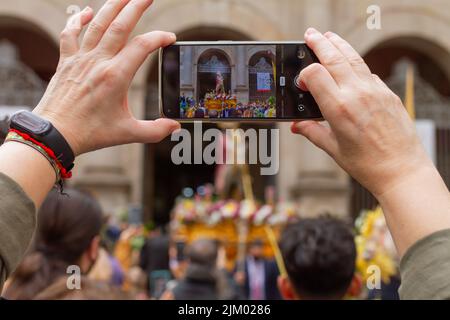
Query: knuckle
[(118, 27), (344, 111), (66, 33), (356, 61), (141, 42), (64, 64), (363, 96), (341, 105), (96, 27), (311, 71), (396, 99), (364, 99), (332, 59), (108, 76)]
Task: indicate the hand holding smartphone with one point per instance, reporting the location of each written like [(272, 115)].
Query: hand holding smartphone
[(235, 81)]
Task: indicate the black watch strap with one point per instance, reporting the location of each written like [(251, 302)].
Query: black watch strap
[(43, 131), (55, 141)]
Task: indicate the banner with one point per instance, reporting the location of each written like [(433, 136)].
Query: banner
[(426, 130), (263, 81)]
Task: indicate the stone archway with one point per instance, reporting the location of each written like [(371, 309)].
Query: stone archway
[(28, 59), (29, 53), (212, 63), (35, 15), (405, 25), (261, 62)]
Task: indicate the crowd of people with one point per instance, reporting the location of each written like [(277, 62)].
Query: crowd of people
[(122, 261), (229, 108), (370, 135)]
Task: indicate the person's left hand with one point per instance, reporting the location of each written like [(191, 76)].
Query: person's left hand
[(87, 98)]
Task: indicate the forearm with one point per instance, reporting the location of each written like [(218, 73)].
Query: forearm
[(418, 207), (29, 169), (17, 210)]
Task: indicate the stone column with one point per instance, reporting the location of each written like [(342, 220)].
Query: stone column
[(187, 71), (242, 74)]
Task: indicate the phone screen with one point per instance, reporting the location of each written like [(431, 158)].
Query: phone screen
[(251, 81)]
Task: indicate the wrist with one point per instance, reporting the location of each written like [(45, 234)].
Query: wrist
[(417, 178), (416, 207), (29, 168), (40, 133), (392, 174)]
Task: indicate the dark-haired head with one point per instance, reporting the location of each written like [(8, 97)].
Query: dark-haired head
[(320, 259), (68, 228)]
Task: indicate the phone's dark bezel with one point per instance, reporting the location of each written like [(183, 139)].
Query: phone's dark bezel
[(170, 84)]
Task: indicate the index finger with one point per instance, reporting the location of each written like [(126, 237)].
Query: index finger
[(101, 22), (353, 57), (134, 54), (330, 57), (118, 32)]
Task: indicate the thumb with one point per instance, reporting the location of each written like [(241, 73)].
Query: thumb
[(155, 131), (317, 133)]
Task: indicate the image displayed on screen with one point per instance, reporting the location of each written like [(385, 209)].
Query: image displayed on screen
[(228, 82)]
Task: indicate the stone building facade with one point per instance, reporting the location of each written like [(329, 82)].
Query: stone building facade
[(119, 176), (235, 63)]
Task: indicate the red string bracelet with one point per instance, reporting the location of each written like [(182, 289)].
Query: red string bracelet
[(64, 174)]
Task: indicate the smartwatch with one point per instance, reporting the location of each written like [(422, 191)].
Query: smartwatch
[(44, 132)]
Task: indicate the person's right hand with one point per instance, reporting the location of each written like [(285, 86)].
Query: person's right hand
[(87, 98), (370, 134)]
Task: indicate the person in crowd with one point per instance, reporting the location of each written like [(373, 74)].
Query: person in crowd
[(154, 259), (199, 113), (259, 281), (177, 260), (183, 103), (213, 114), (67, 235), (136, 284), (107, 268), (370, 135), (320, 256), (200, 281)]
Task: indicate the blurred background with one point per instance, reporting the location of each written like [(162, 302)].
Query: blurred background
[(141, 182)]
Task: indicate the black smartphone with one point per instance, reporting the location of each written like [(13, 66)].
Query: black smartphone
[(235, 81)]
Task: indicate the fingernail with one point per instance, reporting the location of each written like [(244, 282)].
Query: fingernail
[(87, 9), (177, 130), (176, 126), (310, 31), (173, 36), (329, 34)]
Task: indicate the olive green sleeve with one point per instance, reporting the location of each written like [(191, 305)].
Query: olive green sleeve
[(425, 268), (17, 224)]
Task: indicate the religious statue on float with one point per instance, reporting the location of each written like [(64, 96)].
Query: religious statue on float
[(220, 86)]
